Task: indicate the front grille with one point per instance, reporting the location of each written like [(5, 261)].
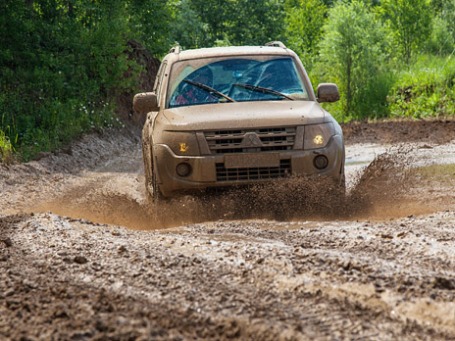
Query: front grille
[(247, 141), (253, 173)]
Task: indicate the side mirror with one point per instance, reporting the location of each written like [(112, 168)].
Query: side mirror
[(145, 102), (328, 92)]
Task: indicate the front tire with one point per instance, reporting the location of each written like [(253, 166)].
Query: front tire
[(147, 172), (155, 188), (152, 189)]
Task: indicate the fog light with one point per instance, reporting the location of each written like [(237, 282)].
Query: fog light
[(318, 140), (183, 169), (321, 162)]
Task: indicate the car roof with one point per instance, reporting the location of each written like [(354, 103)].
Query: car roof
[(211, 52)]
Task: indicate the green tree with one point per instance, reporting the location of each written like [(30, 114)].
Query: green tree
[(63, 64), (410, 21), (205, 23), (188, 29), (352, 54), (448, 15), (304, 22), (254, 22), (151, 23), (442, 39)]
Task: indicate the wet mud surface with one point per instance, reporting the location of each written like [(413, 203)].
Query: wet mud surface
[(84, 257)]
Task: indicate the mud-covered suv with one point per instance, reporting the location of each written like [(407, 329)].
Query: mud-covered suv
[(229, 116)]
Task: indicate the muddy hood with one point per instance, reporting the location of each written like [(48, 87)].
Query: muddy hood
[(244, 115)]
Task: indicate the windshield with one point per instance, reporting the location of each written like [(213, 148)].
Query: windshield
[(215, 80)]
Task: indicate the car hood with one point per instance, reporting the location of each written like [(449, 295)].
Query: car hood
[(244, 115)]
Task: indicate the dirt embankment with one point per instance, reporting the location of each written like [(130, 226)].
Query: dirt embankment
[(82, 257)]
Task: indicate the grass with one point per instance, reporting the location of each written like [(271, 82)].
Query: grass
[(6, 148), (426, 89), (437, 172)]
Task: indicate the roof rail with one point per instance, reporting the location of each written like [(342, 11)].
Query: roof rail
[(276, 43), (175, 49)]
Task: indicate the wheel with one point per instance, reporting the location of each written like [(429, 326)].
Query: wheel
[(152, 189), (155, 188), (147, 172)]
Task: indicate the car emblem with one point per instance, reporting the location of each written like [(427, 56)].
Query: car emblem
[(251, 140)]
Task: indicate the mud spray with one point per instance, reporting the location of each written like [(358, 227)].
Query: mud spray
[(380, 191)]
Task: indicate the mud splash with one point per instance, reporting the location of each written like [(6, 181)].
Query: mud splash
[(115, 209), (380, 191)]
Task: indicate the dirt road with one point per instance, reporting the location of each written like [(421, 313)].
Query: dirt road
[(82, 257)]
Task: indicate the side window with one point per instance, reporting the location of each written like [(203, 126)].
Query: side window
[(159, 79)]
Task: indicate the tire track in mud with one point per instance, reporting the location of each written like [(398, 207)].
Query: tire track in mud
[(371, 274), (225, 280)]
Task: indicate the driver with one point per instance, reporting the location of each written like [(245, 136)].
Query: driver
[(192, 94)]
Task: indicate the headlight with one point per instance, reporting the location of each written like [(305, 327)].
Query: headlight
[(318, 135), (181, 143)]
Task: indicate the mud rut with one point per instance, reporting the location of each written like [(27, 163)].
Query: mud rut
[(83, 257)]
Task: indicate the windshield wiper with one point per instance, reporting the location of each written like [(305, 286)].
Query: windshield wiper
[(262, 89), (209, 89)]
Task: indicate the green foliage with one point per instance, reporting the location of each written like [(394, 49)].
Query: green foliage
[(151, 23), (427, 89), (448, 15), (6, 148), (62, 69), (204, 23), (410, 22), (304, 22), (353, 55), (188, 29), (265, 22), (63, 63), (441, 41)]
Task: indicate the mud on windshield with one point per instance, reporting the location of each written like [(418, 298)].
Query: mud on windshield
[(215, 80)]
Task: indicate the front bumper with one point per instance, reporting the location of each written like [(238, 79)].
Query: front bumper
[(224, 170)]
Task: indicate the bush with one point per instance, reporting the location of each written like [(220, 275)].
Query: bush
[(353, 55), (69, 66), (427, 89), (441, 41), (6, 148)]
